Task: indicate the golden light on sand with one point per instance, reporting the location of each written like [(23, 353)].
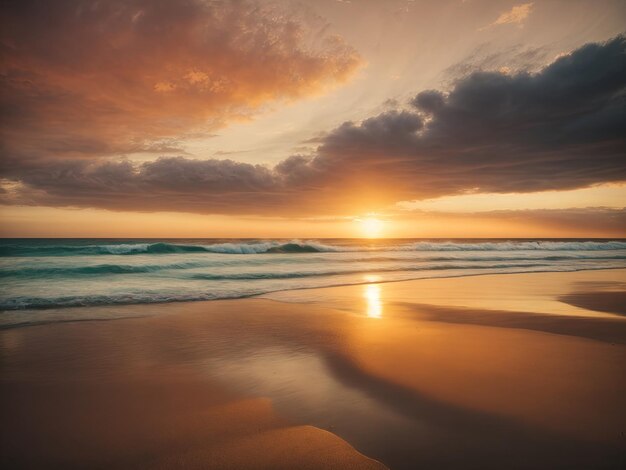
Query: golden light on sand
[(371, 227), (371, 293)]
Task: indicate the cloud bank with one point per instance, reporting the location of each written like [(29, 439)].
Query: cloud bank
[(561, 127)]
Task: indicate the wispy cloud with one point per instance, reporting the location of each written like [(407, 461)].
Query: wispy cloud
[(516, 15)]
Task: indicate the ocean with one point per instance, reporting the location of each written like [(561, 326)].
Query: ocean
[(40, 274)]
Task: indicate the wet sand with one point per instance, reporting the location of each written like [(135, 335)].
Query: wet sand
[(498, 371)]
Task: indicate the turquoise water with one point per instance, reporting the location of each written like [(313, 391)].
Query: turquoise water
[(53, 273)]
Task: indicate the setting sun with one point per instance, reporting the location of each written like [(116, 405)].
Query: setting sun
[(371, 227)]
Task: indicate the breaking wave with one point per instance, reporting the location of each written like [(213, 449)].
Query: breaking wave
[(297, 246)]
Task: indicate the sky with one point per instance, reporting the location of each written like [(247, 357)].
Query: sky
[(313, 118)]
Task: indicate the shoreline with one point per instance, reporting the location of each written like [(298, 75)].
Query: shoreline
[(266, 295)]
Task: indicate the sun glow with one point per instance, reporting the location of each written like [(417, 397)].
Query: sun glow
[(371, 227)]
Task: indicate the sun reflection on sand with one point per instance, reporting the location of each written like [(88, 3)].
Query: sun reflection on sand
[(372, 298)]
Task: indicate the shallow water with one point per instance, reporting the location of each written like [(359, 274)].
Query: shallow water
[(52, 273)]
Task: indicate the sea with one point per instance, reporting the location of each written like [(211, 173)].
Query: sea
[(41, 274)]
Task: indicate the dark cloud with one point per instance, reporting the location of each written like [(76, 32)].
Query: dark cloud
[(429, 102), (177, 184), (560, 128)]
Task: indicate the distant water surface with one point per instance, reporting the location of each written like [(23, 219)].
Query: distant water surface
[(53, 273)]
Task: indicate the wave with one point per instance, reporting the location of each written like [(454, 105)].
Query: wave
[(301, 274), (24, 303), (150, 297), (369, 264), (516, 246), (100, 269), (297, 246), (164, 248)]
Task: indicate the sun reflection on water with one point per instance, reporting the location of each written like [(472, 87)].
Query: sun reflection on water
[(371, 293)]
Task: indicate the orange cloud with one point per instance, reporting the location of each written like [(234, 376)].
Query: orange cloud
[(92, 78)]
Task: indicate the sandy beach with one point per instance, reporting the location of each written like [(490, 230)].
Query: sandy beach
[(496, 371)]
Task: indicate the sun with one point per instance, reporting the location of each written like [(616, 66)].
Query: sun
[(371, 227)]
